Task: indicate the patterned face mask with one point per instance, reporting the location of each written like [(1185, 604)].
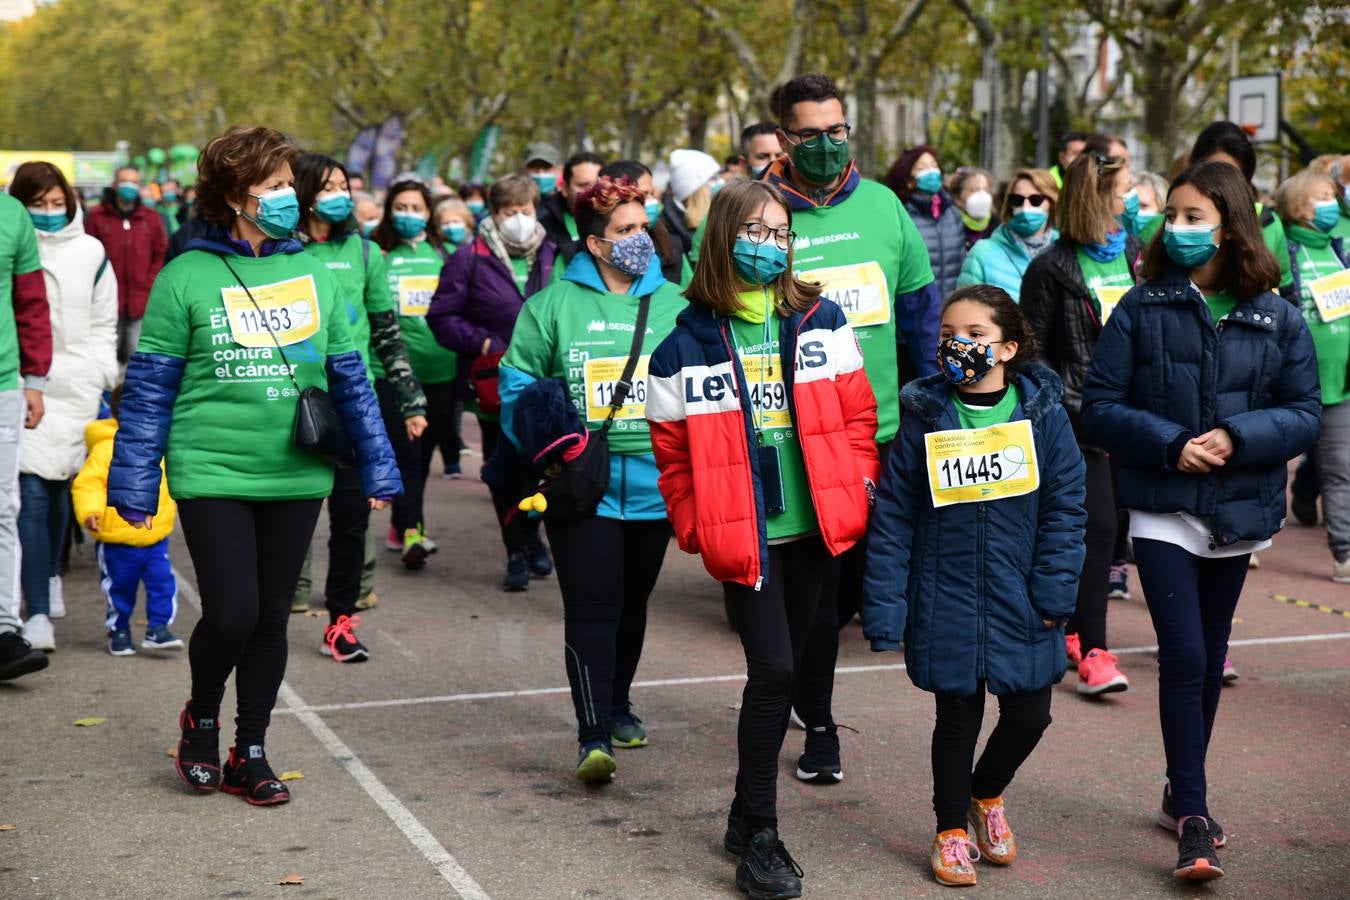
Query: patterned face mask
[(632, 255), (963, 361)]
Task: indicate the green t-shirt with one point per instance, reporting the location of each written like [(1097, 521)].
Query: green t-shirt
[(866, 251), (361, 282), (1152, 227), (414, 272), (18, 256), (761, 360), (232, 428), (984, 416), (570, 223), (520, 271), (1220, 305), (1331, 339), (696, 241), (582, 336), (1273, 235), (1105, 280)]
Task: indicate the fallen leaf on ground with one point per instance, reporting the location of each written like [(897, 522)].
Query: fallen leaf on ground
[(8, 826), (173, 752), (141, 622), (90, 721), (292, 879), (313, 613), (291, 776), (734, 706)]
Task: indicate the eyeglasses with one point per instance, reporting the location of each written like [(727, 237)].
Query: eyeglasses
[(810, 136), (1016, 200), (758, 233)]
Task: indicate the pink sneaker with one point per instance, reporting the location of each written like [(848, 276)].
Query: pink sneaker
[(1098, 674), (1230, 672), (393, 541), (1073, 649)]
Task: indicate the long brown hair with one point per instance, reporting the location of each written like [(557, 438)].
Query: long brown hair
[(1247, 267), (716, 285), (1085, 213)]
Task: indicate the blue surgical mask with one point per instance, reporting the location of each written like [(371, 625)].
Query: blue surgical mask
[(409, 225), (715, 187), (1326, 213), (455, 232), (1129, 216), (368, 228), (1190, 246), (632, 255), (758, 263), (929, 181), (334, 208), (48, 221), (1028, 221), (1144, 218), (128, 191), (757, 173), (278, 212), (169, 196), (546, 181), (653, 208), (477, 207)]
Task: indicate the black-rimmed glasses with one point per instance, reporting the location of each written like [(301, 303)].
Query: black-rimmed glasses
[(758, 233), (809, 136)]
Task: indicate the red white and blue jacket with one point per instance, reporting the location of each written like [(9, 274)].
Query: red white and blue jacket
[(702, 431)]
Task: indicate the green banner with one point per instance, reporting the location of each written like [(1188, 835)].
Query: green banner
[(484, 149)]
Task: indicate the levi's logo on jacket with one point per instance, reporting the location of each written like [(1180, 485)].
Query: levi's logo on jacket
[(711, 389)]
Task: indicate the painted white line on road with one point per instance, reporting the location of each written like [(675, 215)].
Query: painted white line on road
[(714, 679), (416, 833)]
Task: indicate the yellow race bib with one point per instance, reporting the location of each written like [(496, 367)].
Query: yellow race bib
[(768, 394), (1110, 297), (971, 465), (414, 293), (288, 309), (602, 376), (1331, 293), (860, 291)]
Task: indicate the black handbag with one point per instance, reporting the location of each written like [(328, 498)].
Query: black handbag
[(575, 488), (319, 429)]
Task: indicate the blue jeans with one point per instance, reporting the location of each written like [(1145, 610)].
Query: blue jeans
[(44, 513), (1191, 600)]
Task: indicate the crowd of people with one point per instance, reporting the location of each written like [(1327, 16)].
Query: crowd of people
[(844, 395)]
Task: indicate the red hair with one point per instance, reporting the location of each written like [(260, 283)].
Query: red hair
[(593, 206)]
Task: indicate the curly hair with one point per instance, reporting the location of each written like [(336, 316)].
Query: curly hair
[(593, 206), (1006, 315), (232, 162)]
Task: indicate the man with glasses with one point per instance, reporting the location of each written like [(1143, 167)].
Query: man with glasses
[(855, 238)]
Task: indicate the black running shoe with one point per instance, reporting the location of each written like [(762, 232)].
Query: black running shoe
[(339, 641), (1305, 511), (248, 775), (1167, 820), (767, 871), (17, 657), (1196, 859), (198, 759), (737, 836), (541, 565), (820, 763), (517, 573)]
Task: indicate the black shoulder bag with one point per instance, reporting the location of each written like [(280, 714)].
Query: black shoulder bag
[(319, 428), (574, 489)]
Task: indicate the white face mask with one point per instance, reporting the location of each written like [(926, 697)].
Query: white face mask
[(518, 228), (978, 204)]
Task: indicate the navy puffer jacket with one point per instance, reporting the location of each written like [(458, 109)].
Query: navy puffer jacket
[(967, 586), (944, 236), (1163, 373)]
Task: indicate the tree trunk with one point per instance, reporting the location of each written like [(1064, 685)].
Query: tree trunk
[(697, 127), (1009, 122), (864, 120)]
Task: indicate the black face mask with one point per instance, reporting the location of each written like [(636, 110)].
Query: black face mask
[(963, 361)]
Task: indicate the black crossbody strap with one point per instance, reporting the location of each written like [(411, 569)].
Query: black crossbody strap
[(625, 383), (263, 318)]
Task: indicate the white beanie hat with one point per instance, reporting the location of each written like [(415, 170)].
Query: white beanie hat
[(689, 171)]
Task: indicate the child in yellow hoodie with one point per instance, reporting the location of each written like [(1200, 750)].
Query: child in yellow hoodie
[(127, 556)]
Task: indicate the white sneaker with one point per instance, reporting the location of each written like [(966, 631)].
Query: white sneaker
[(796, 719), (38, 632), (1254, 562), (58, 604), (1340, 573)]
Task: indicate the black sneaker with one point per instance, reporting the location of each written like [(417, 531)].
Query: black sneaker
[(248, 775), (198, 759), (1305, 511), (1167, 820), (767, 871), (339, 641), (517, 573), (820, 763), (17, 657), (1196, 859), (737, 836), (541, 566)]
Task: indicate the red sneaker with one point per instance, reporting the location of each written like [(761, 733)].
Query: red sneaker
[(1073, 649), (1099, 674)]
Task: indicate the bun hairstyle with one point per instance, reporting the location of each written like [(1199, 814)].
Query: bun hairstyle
[(1006, 314), (593, 206)]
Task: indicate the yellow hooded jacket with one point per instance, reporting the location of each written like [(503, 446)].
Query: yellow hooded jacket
[(90, 493)]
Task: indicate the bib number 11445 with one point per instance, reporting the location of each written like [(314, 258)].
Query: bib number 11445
[(972, 465)]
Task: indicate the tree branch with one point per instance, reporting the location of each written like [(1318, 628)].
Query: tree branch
[(982, 26), (901, 27), (739, 45)]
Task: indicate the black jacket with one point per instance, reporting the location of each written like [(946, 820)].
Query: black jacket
[(681, 235), (1060, 311), (552, 215)]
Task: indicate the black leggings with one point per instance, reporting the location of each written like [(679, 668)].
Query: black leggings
[(775, 624), (517, 527), (348, 520), (1089, 618), (606, 571), (443, 414), (1022, 718), (413, 465), (247, 556)]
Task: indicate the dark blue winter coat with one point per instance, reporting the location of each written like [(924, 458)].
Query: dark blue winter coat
[(1163, 373), (967, 586)]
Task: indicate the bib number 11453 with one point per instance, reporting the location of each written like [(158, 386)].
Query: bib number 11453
[(971, 465)]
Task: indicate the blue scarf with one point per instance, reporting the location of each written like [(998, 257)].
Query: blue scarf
[(1104, 253)]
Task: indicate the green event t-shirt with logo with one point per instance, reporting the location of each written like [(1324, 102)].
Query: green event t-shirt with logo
[(414, 272), (18, 256), (1330, 339), (866, 251), (1106, 282), (363, 287), (583, 336), (232, 432)]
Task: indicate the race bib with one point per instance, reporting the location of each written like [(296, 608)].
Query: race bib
[(1109, 297), (768, 394), (414, 293), (860, 291), (602, 377), (1331, 293), (977, 464), (288, 309)]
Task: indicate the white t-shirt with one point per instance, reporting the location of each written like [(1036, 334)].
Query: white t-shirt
[(1188, 533)]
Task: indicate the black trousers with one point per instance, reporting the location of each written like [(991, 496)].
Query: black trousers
[(776, 624), (1089, 618), (348, 520), (413, 465), (247, 556), (606, 571), (1022, 719), (444, 411), (517, 527), (814, 693)]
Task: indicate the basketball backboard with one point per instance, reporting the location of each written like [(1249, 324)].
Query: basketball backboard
[(1254, 104)]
